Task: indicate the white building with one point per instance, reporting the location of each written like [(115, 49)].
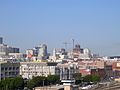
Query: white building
[(86, 54), (67, 70), (30, 69), (37, 53), (18, 56)]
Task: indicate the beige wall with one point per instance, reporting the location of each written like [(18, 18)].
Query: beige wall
[(68, 87), (100, 64)]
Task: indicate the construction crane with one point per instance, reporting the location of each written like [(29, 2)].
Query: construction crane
[(66, 43), (73, 42)]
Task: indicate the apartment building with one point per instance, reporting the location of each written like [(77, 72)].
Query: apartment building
[(86, 66), (9, 69), (67, 70), (30, 69)]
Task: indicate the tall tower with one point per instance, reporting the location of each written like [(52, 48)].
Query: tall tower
[(54, 52), (42, 54), (43, 50), (1, 40)]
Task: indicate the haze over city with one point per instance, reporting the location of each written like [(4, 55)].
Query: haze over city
[(93, 24)]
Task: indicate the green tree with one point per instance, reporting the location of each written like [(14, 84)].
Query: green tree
[(1, 85), (12, 84), (87, 78), (95, 78), (18, 83), (6, 84), (91, 78), (30, 84), (36, 82), (53, 79), (39, 80), (77, 77)]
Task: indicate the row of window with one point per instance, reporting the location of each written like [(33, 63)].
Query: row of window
[(9, 73), (34, 72), (9, 68), (41, 67)]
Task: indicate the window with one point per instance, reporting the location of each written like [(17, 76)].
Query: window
[(6, 73), (13, 68), (17, 73), (2, 69), (6, 68), (13, 73), (10, 68), (10, 73), (1, 75), (17, 68)]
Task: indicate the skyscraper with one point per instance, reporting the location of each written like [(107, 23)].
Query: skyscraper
[(42, 54), (1, 40)]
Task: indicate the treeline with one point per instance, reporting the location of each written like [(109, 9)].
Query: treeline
[(16, 83), (43, 81), (88, 78)]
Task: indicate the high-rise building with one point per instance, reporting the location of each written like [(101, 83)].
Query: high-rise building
[(5, 49), (1, 40), (13, 50), (42, 54), (43, 50), (30, 52), (76, 51), (54, 52)]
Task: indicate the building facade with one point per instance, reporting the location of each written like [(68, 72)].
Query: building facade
[(30, 69), (86, 66), (9, 69), (67, 71), (1, 40)]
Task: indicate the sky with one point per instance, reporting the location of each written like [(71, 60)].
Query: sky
[(94, 24)]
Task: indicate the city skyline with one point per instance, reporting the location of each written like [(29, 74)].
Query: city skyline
[(93, 24)]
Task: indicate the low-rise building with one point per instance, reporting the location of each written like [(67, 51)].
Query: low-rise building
[(108, 69), (116, 69), (60, 87), (85, 66)]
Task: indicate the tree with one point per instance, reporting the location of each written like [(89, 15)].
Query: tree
[(39, 80), (87, 78), (53, 79), (8, 84), (18, 83), (1, 85), (91, 78), (36, 82), (30, 84), (12, 84), (95, 78), (77, 77)]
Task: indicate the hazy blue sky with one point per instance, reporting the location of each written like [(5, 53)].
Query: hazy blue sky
[(92, 23)]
